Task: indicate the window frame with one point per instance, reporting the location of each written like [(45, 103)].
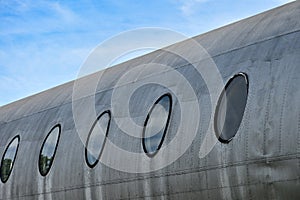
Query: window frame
[(217, 133), (151, 155), (104, 141), (54, 153), (15, 157)]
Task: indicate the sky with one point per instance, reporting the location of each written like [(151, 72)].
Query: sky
[(44, 43)]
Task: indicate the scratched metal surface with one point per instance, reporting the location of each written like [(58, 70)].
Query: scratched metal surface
[(261, 162)]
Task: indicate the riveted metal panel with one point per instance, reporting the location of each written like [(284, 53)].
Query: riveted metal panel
[(261, 162)]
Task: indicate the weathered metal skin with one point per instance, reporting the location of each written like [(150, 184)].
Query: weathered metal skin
[(261, 162)]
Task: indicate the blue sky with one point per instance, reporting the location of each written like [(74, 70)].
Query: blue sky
[(44, 43)]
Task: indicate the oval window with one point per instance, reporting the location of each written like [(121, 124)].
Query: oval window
[(48, 150), (8, 158), (96, 139), (231, 106), (156, 125)]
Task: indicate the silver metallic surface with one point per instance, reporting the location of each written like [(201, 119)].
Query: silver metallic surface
[(261, 162)]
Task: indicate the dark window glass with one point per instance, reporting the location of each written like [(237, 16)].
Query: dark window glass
[(96, 139), (231, 106), (8, 158), (156, 125), (48, 150)]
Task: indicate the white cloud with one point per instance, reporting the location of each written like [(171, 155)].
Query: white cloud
[(30, 17), (64, 13), (188, 7)]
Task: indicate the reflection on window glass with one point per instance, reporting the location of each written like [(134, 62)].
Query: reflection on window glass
[(156, 125), (48, 150), (230, 108), (97, 138), (8, 159)]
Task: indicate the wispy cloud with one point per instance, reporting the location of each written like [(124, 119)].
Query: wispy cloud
[(43, 43), (36, 50), (188, 7), (66, 14), (34, 17)]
